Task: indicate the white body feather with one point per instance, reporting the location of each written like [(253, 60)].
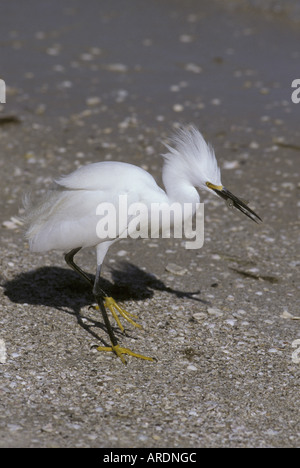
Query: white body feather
[(66, 218)]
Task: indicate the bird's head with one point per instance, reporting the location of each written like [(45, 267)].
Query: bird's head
[(195, 161)]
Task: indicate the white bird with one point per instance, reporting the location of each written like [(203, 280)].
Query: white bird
[(66, 218)]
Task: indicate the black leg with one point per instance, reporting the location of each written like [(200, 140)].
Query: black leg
[(69, 259), (98, 292), (103, 300), (99, 296), (110, 332)]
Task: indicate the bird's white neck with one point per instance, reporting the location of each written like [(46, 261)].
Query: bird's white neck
[(178, 188)]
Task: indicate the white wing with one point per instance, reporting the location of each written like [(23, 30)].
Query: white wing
[(66, 218)]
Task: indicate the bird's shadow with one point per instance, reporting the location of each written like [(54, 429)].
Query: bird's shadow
[(64, 290)]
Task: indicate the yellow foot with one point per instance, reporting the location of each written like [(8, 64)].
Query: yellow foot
[(114, 307), (120, 351)]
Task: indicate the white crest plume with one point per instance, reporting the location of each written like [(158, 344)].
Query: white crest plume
[(192, 157)]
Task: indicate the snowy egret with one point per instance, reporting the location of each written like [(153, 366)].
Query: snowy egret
[(65, 219)]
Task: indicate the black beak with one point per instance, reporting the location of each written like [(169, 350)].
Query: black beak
[(237, 203)]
